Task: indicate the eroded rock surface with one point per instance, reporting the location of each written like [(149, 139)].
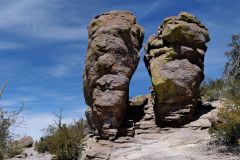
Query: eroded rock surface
[(149, 142), (115, 39), (174, 58)]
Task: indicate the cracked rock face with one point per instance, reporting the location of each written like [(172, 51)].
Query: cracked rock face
[(174, 59), (114, 42)]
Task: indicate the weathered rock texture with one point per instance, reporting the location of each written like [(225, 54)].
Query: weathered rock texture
[(174, 58), (149, 142), (115, 39)]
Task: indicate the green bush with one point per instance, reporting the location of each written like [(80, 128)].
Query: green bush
[(1, 155), (231, 92), (13, 151), (66, 142), (7, 119), (227, 128), (211, 90), (41, 147)]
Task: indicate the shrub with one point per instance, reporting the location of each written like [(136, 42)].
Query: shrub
[(7, 120), (41, 146), (66, 142), (1, 155), (227, 128), (13, 151), (232, 93), (211, 89)]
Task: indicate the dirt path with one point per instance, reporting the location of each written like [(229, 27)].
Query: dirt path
[(31, 154)]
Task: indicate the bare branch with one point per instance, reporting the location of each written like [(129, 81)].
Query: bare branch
[(59, 118), (3, 88)]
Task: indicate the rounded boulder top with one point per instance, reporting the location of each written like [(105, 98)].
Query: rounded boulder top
[(113, 19)]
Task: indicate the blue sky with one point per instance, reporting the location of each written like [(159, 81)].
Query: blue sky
[(43, 46)]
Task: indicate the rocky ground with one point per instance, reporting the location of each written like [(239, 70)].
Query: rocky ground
[(149, 142), (170, 123), (31, 154), (190, 142)]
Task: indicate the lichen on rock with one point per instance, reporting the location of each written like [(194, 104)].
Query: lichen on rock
[(175, 65)]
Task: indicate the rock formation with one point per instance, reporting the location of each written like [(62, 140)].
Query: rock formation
[(114, 42), (144, 140), (174, 58)]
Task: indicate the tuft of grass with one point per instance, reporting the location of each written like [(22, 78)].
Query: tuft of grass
[(211, 90)]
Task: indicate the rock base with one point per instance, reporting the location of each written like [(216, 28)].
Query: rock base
[(145, 140)]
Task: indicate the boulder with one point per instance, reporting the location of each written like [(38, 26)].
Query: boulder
[(175, 61), (25, 142), (184, 29), (114, 42)]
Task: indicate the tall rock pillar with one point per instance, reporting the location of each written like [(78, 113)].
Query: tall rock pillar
[(114, 41), (174, 58)]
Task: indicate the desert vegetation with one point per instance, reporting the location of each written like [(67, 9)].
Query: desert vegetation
[(7, 120), (65, 142), (227, 128)]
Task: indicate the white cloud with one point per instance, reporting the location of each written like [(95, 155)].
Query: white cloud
[(12, 14), (17, 101), (65, 66), (155, 5), (59, 70), (10, 45), (35, 19), (61, 33)]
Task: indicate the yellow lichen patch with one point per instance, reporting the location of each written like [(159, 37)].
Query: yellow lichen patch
[(151, 38), (163, 87), (156, 52), (156, 43), (95, 25), (177, 32), (157, 80), (188, 17), (170, 55)]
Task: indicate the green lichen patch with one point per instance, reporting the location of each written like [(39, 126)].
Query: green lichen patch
[(169, 53), (156, 43), (152, 38), (163, 87), (189, 17), (156, 52), (177, 32), (95, 25)]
